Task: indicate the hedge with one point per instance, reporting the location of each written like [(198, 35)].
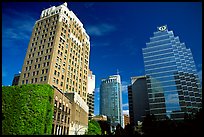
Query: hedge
[(27, 109)]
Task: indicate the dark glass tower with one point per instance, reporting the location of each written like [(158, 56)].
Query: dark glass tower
[(172, 81)]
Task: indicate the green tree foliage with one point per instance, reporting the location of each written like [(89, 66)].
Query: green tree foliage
[(27, 109), (93, 128)]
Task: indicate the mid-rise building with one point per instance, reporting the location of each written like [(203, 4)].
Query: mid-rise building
[(90, 94), (15, 79), (111, 100), (79, 117), (138, 99), (62, 114), (172, 81)]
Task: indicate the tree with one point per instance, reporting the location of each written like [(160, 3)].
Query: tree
[(93, 128)]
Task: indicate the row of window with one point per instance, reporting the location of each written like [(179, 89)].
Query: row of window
[(36, 80), (45, 64), (35, 73), (40, 23), (60, 130)]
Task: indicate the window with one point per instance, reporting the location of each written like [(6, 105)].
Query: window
[(54, 79), (55, 72), (43, 71), (47, 63), (45, 77), (36, 80), (41, 78), (46, 70), (33, 73), (38, 65)]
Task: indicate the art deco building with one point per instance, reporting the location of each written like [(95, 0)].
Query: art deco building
[(111, 100), (58, 55), (172, 82), (138, 99), (58, 52), (90, 95)]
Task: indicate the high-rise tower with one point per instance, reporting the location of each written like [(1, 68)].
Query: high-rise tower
[(90, 94), (172, 81), (58, 52), (138, 99), (111, 100)]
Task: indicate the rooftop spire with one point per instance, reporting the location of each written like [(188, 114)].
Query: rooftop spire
[(65, 4)]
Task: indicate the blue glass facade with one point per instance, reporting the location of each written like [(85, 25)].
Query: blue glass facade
[(172, 81), (111, 99)]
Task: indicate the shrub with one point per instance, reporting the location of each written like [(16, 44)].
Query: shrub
[(27, 109)]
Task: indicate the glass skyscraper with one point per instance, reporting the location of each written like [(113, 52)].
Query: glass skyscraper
[(111, 100), (172, 81)]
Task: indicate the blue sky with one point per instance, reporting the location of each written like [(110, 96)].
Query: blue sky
[(118, 32)]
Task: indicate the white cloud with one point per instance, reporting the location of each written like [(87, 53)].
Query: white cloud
[(97, 90), (125, 86), (125, 105), (18, 26), (100, 29), (126, 112)]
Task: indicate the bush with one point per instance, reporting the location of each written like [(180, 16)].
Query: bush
[(27, 109), (93, 128)]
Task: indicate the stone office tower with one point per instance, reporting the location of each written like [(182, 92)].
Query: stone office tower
[(58, 52), (173, 85)]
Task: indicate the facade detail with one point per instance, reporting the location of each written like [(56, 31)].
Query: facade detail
[(172, 82), (58, 52), (91, 89), (58, 55), (138, 99), (111, 100), (62, 114), (79, 117)]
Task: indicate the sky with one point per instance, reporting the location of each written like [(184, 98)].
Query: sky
[(118, 31)]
